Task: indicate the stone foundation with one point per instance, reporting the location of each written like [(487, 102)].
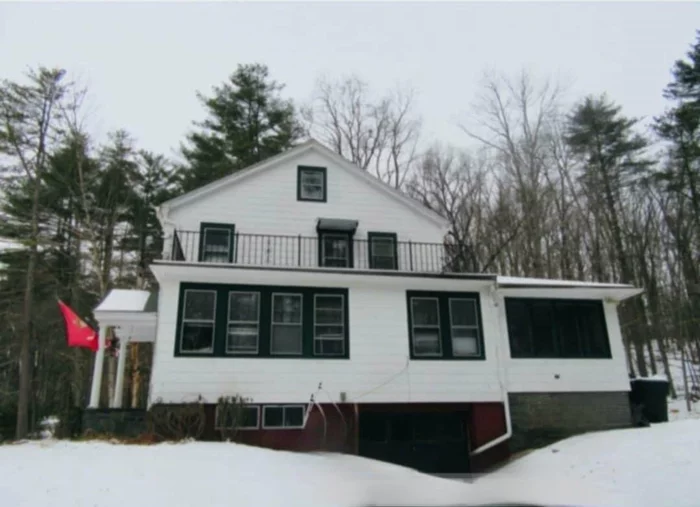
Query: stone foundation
[(540, 419)]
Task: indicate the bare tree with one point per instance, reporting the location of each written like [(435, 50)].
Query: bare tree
[(378, 133)]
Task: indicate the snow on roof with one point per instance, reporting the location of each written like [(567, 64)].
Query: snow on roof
[(125, 300), (544, 282)]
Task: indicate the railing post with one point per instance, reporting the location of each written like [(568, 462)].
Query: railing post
[(410, 255), (299, 250)]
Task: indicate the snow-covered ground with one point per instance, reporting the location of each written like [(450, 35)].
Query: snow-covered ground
[(655, 466), (640, 467)]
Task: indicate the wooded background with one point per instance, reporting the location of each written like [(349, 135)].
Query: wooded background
[(541, 187)]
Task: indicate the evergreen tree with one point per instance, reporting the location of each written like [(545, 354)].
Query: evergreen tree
[(612, 159), (247, 122)]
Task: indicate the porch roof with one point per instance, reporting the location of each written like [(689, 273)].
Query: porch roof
[(131, 312), (542, 287)]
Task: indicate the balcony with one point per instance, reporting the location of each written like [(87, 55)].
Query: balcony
[(327, 251)]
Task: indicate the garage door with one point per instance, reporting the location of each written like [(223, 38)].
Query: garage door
[(431, 442)]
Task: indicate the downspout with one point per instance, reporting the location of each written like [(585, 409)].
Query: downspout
[(500, 365)]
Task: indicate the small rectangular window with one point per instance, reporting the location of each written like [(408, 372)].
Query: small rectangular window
[(425, 332), (243, 323), (216, 243), (382, 250), (286, 334), (198, 321), (311, 183), (335, 250), (283, 416), (329, 325), (249, 419)]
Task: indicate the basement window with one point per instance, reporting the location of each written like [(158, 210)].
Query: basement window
[(249, 419), (283, 416)]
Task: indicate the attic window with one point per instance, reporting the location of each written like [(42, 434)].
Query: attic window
[(311, 183)]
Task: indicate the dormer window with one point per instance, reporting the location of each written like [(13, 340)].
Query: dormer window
[(311, 183)]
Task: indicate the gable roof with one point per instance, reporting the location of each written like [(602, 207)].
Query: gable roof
[(311, 144)]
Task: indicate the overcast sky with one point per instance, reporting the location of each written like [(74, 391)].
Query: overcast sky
[(143, 63)]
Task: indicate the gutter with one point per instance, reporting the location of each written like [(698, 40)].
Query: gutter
[(502, 383)]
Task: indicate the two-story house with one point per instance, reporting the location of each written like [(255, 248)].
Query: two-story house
[(331, 301)]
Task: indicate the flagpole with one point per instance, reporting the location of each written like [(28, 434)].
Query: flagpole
[(97, 369)]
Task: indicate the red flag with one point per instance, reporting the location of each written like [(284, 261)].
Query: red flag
[(78, 333)]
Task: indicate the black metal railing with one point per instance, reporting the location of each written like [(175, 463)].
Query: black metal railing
[(309, 252)]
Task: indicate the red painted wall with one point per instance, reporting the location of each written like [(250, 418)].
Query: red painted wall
[(487, 421)]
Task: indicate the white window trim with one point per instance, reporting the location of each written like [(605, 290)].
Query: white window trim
[(229, 321), (373, 256), (273, 323), (243, 428), (476, 327), (283, 427), (304, 172), (342, 323), (204, 242), (184, 320), (413, 327), (346, 237)]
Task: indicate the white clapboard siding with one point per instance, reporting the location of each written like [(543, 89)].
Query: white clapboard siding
[(378, 369)]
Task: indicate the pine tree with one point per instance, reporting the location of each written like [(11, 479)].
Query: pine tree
[(612, 159), (247, 122)]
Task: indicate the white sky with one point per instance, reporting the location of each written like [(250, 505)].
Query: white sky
[(144, 62)]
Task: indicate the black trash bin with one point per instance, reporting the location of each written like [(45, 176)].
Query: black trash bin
[(652, 395)]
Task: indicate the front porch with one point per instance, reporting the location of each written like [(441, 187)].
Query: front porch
[(130, 316)]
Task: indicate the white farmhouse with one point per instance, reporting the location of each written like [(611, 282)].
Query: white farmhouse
[(332, 302)]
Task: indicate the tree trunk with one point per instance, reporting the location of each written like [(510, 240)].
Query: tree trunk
[(25, 357)]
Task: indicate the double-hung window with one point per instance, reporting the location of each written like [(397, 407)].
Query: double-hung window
[(243, 323), (382, 250), (198, 321), (286, 336), (216, 242), (444, 325), (329, 325), (311, 183)]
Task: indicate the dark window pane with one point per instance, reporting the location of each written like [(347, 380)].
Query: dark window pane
[(329, 309), (293, 416), (199, 305), (217, 245), (329, 347), (543, 329), (519, 327), (197, 337), (242, 338), (463, 312), (593, 331), (243, 306), (286, 339), (568, 332), (273, 417), (335, 250), (286, 308), (425, 312), (249, 417)]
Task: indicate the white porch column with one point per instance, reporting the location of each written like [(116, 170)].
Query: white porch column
[(97, 369), (121, 364)]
